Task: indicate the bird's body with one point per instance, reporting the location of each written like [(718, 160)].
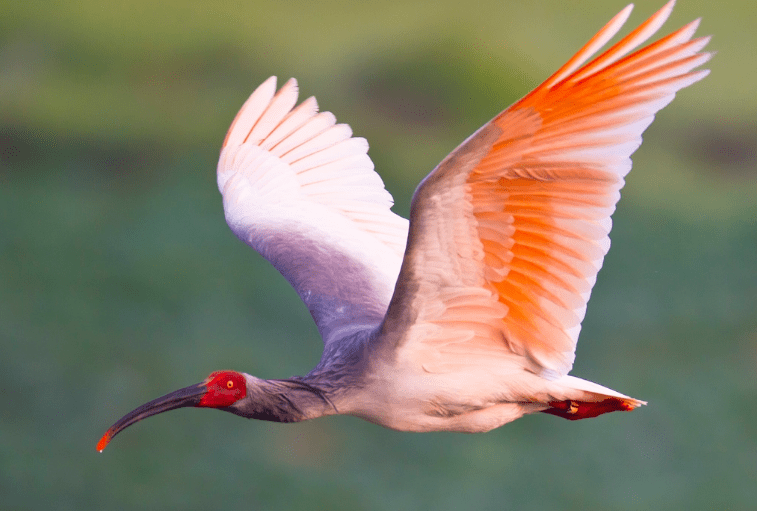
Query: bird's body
[(467, 316), (472, 396)]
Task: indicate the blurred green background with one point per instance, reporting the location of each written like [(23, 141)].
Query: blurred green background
[(119, 280)]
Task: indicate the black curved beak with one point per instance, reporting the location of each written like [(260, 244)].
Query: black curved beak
[(188, 396)]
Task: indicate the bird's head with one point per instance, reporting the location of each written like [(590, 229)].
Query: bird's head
[(219, 390)]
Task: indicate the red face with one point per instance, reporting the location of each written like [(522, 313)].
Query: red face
[(224, 389)]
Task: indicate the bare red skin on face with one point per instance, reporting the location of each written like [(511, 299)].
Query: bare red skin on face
[(224, 389)]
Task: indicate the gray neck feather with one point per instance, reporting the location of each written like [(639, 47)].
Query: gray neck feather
[(291, 400), (341, 371)]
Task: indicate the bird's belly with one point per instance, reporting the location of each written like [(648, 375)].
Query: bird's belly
[(426, 419), (439, 402)]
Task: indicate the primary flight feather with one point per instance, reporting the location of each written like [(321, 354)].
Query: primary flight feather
[(467, 316)]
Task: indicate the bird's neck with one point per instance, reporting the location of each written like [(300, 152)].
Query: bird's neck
[(290, 400)]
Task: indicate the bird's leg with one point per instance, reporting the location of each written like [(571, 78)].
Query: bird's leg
[(572, 409)]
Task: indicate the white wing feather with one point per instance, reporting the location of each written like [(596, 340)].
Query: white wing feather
[(303, 193)]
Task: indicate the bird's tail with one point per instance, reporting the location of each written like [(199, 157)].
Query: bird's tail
[(582, 399)]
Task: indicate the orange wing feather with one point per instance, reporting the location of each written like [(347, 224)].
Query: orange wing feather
[(564, 166), (538, 195)]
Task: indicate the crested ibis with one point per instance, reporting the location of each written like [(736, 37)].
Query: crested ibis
[(465, 317)]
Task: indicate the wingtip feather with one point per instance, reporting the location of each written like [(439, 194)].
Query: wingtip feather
[(591, 47), (250, 112)]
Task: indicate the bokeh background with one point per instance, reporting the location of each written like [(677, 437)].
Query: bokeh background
[(119, 280)]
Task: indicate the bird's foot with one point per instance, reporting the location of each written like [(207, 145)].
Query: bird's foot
[(573, 410)]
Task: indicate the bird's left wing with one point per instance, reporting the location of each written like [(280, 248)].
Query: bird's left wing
[(299, 189), (508, 233)]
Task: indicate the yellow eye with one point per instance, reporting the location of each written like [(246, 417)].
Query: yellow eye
[(229, 384)]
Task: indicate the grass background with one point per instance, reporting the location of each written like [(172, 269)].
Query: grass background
[(119, 280)]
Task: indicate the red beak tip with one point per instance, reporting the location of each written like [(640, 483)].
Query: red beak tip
[(103, 442)]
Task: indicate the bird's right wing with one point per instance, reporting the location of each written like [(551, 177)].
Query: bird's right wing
[(299, 189), (508, 233)]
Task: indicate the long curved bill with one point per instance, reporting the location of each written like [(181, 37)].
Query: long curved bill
[(188, 396)]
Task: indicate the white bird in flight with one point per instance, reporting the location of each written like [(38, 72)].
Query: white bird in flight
[(466, 317)]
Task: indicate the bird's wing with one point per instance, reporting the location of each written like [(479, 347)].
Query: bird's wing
[(299, 189), (508, 233)]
